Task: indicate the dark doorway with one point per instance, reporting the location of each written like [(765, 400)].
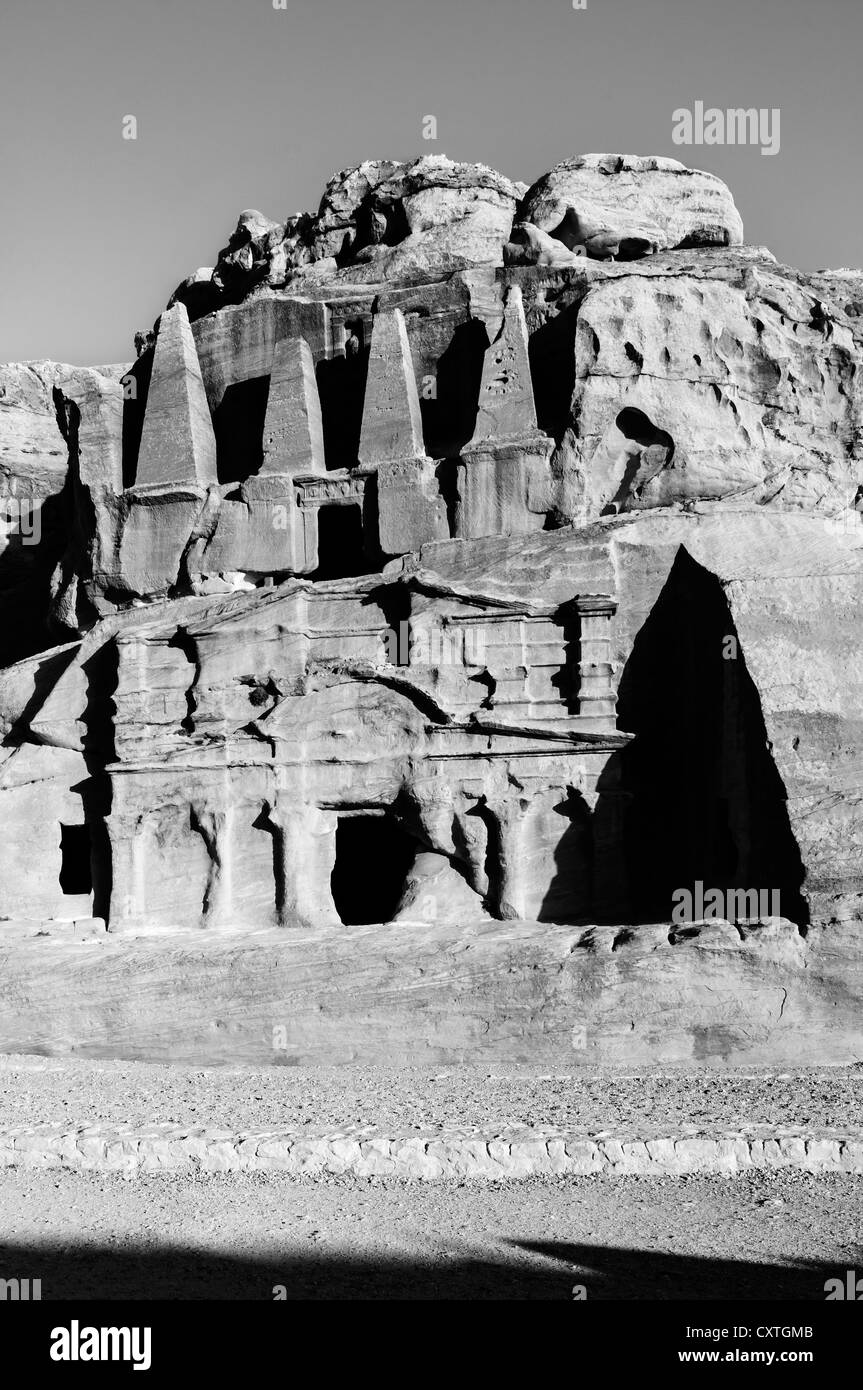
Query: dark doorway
[(75, 872), (340, 542), (342, 389), (373, 856)]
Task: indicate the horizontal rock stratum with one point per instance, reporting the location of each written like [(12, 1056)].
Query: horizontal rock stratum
[(467, 569)]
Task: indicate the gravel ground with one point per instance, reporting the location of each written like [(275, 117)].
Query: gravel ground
[(239, 1237), (71, 1092)]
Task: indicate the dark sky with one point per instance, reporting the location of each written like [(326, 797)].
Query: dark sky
[(240, 105)]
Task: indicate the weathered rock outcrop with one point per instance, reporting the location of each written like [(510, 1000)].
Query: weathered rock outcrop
[(411, 993), (38, 436), (628, 206), (382, 221), (459, 553)]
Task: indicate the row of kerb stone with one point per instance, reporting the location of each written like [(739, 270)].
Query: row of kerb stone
[(448, 1156)]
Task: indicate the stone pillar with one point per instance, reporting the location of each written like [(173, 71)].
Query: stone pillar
[(129, 868), (293, 428), (305, 857), (596, 692), (506, 462), (392, 423), (506, 405), (509, 818), (178, 444), (411, 510), (214, 826), (433, 799), (307, 540), (473, 833)]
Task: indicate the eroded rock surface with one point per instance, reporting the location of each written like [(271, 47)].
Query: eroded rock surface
[(629, 206)]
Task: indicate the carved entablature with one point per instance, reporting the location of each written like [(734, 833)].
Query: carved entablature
[(549, 665), (342, 488)]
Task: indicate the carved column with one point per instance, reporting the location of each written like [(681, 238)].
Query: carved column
[(473, 837), (305, 859), (596, 693), (214, 826), (128, 840), (433, 799), (508, 894)]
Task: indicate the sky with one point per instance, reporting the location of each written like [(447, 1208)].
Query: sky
[(240, 105)]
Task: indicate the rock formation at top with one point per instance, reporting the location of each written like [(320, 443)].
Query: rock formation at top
[(503, 538)]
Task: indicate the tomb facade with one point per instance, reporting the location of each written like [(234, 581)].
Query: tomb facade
[(320, 647)]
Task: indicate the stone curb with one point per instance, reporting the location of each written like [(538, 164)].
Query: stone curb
[(364, 1154)]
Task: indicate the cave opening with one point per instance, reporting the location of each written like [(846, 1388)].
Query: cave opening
[(373, 856), (635, 425), (76, 874), (341, 553)]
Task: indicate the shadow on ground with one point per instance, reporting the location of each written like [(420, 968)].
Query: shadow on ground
[(525, 1271)]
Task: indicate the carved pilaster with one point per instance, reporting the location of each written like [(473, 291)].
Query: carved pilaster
[(305, 859)]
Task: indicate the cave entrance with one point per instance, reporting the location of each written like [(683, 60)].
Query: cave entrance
[(76, 875), (340, 542), (373, 856)]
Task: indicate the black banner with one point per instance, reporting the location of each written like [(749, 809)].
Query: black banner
[(163, 1341)]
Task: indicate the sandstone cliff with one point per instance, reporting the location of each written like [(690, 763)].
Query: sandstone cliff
[(503, 537)]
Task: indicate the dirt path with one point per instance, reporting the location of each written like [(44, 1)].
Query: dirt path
[(36, 1090), (238, 1236)]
